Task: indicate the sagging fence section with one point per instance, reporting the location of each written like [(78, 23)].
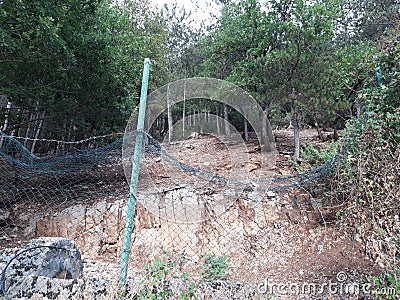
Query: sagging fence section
[(82, 196)]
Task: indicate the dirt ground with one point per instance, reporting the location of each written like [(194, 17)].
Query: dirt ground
[(304, 244), (307, 244)]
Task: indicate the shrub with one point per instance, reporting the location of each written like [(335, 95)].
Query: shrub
[(215, 267)]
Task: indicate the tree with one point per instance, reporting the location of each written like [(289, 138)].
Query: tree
[(181, 35), (366, 19), (274, 53), (73, 67)]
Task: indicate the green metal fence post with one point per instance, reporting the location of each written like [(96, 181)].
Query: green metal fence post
[(378, 76), (378, 72), (126, 248)]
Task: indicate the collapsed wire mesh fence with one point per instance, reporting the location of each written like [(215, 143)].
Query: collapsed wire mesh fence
[(185, 224)]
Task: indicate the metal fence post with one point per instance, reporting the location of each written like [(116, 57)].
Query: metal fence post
[(126, 248)]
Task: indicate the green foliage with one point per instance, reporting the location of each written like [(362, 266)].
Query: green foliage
[(182, 36), (367, 20), (369, 170), (367, 178), (274, 49), (386, 285), (80, 62), (158, 276), (215, 267), (313, 157)]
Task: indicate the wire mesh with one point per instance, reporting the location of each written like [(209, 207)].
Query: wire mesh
[(83, 195)]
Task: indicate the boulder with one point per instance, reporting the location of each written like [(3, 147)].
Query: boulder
[(46, 257)]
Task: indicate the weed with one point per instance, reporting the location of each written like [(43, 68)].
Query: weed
[(386, 285), (215, 267), (159, 275)]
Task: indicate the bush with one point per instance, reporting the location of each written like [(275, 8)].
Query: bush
[(313, 157), (386, 285), (215, 267), (365, 186), (156, 283)]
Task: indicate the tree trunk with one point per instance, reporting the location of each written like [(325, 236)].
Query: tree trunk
[(246, 129), (267, 136), (335, 133), (162, 125), (148, 124), (226, 122), (70, 130), (184, 111), (358, 108), (217, 120), (202, 123), (8, 110), (12, 133), (28, 130), (296, 130), (61, 145), (5, 125), (169, 111), (38, 129), (319, 131)]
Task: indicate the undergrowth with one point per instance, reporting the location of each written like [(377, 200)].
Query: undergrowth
[(364, 191), (159, 275), (313, 157), (164, 278)]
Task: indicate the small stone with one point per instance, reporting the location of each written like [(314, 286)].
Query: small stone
[(252, 167), (358, 238), (277, 225), (4, 215)]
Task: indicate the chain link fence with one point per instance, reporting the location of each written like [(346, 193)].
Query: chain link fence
[(195, 227)]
